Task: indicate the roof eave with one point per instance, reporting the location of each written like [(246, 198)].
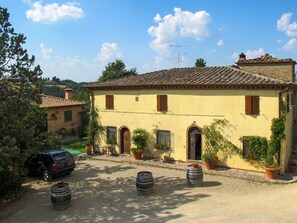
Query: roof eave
[(194, 86)]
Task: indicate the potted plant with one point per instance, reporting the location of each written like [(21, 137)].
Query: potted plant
[(271, 166), (210, 160), (277, 134), (139, 139), (292, 166)]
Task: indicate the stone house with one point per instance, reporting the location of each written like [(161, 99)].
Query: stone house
[(64, 115), (174, 104)]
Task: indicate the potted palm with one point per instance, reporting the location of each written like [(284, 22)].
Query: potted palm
[(139, 139)]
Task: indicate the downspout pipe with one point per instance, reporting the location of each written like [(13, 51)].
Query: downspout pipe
[(280, 101)]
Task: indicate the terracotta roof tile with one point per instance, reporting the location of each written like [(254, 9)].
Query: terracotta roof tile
[(51, 102), (266, 58), (219, 76)]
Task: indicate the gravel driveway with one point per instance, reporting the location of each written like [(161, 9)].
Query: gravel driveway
[(105, 192)]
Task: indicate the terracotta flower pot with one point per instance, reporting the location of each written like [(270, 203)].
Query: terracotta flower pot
[(210, 165), (89, 149), (272, 173), (137, 154)]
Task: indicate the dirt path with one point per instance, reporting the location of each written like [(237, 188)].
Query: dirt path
[(105, 192)]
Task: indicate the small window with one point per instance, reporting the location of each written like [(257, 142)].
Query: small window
[(109, 99), (68, 116), (252, 105), (111, 133), (162, 104), (163, 139)]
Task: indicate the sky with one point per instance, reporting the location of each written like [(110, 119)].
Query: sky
[(77, 39)]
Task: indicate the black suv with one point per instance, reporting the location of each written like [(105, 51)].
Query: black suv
[(51, 163)]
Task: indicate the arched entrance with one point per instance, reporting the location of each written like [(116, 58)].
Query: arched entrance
[(194, 143), (125, 140)]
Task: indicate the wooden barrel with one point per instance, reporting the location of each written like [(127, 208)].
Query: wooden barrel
[(144, 183), (194, 176), (60, 196)]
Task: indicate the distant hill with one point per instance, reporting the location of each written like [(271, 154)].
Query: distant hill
[(55, 87)]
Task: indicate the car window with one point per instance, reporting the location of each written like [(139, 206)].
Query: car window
[(48, 159), (62, 156)]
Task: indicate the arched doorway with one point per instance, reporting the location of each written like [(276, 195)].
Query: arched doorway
[(194, 143), (125, 140)]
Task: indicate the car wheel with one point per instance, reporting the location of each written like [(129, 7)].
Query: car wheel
[(46, 175)]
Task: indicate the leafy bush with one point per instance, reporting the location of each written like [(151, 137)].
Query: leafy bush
[(139, 138)]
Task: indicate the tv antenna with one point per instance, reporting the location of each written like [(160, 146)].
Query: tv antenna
[(179, 54)]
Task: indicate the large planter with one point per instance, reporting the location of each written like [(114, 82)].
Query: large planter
[(211, 164), (137, 154), (89, 149), (194, 176), (272, 173)]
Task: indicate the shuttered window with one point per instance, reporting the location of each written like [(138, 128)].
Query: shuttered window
[(162, 103), (252, 105), (109, 99)]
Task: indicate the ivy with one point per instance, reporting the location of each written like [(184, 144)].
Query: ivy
[(256, 146)]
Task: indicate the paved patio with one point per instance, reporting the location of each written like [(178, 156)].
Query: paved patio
[(287, 178)]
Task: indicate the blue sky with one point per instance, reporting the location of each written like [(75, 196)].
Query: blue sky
[(76, 39)]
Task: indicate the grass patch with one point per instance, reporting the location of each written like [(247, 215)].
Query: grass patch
[(75, 147)]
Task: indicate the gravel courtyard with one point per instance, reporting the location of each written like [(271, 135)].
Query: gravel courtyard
[(105, 191)]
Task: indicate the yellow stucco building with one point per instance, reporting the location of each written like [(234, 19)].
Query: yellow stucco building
[(173, 105)]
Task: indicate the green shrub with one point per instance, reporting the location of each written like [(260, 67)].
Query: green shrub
[(139, 138)]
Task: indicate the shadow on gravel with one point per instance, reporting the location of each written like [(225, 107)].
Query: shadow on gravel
[(211, 184), (98, 199)]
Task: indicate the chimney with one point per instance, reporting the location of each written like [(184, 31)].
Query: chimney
[(242, 56), (68, 93)]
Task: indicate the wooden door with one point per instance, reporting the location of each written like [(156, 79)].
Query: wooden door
[(126, 141)]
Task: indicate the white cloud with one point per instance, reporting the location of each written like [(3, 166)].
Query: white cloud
[(220, 42), (45, 51), (171, 27), (284, 25), (108, 52), (291, 45), (54, 12), (250, 54), (157, 18)]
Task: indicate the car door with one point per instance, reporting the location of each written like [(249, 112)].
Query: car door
[(33, 164)]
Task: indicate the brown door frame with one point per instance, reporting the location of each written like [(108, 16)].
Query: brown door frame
[(122, 144), (188, 137)]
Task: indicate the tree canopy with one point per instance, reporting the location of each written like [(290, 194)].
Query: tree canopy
[(22, 121), (116, 69), (200, 63)]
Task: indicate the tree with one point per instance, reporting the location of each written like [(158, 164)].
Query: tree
[(22, 121), (200, 63), (116, 69)]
